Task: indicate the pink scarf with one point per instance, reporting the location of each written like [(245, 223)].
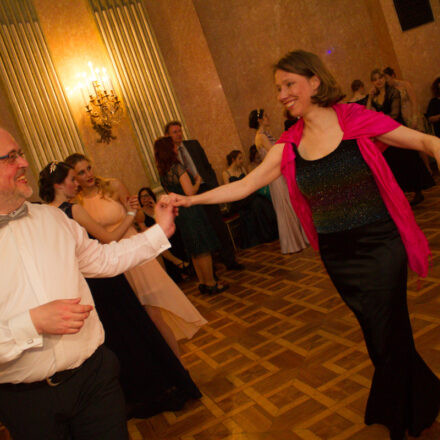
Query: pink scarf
[(361, 124)]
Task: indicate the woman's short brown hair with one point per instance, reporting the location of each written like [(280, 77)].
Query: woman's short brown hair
[(308, 64)]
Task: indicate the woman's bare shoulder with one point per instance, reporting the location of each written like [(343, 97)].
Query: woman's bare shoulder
[(114, 183)]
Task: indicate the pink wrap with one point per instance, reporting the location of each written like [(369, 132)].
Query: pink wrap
[(361, 124)]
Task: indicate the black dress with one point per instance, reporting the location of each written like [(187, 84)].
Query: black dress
[(407, 166), (258, 221), (152, 378), (177, 249), (197, 233), (366, 260)]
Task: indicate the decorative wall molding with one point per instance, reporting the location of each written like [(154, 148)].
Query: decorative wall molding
[(33, 87), (145, 84)]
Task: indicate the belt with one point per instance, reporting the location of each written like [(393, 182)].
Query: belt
[(61, 376), (53, 381)]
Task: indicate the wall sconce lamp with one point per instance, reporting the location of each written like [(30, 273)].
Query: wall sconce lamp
[(102, 105)]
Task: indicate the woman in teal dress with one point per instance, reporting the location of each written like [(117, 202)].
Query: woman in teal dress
[(198, 236)]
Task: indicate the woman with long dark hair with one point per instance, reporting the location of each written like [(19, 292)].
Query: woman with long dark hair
[(152, 377), (354, 212), (198, 236)]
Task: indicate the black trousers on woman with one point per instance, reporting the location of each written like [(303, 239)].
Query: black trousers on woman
[(368, 266)]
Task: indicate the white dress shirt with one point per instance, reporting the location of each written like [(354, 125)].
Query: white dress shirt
[(45, 256)]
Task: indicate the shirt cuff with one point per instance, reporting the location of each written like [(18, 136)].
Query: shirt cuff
[(24, 332), (157, 238)]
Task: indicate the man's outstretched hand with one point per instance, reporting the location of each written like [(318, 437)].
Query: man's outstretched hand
[(179, 200), (165, 212)]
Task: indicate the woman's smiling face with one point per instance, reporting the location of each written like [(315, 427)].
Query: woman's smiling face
[(295, 92)]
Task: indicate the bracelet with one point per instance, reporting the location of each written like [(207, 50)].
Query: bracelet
[(132, 213)]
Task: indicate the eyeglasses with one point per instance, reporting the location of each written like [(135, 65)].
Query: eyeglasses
[(12, 156)]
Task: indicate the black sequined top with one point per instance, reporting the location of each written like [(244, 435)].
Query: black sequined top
[(340, 189)]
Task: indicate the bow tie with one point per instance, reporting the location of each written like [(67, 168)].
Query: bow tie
[(15, 215)]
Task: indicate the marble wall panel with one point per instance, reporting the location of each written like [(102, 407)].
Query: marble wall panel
[(417, 50), (246, 38), (193, 74)]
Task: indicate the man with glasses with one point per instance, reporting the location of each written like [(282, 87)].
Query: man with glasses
[(57, 380)]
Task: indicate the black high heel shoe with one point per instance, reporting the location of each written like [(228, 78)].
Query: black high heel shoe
[(213, 290)]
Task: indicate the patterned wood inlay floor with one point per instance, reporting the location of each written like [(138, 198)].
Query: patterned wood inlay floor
[(282, 357)]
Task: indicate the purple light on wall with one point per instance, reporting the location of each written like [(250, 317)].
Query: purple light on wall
[(329, 51)]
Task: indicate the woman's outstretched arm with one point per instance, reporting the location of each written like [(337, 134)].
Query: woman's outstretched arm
[(405, 137), (262, 175)]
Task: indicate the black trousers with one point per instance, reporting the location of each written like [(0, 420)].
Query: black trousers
[(368, 266), (88, 406)]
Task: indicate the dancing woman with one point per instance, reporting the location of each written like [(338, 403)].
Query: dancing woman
[(151, 376), (168, 307), (354, 212)]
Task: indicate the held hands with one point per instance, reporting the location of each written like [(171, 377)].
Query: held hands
[(165, 212), (60, 317), (179, 200)]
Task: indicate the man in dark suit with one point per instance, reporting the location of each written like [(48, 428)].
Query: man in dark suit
[(193, 158)]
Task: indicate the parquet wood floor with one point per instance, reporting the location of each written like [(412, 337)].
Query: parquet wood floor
[(282, 357)]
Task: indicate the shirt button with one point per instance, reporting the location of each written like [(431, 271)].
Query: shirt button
[(30, 341)]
